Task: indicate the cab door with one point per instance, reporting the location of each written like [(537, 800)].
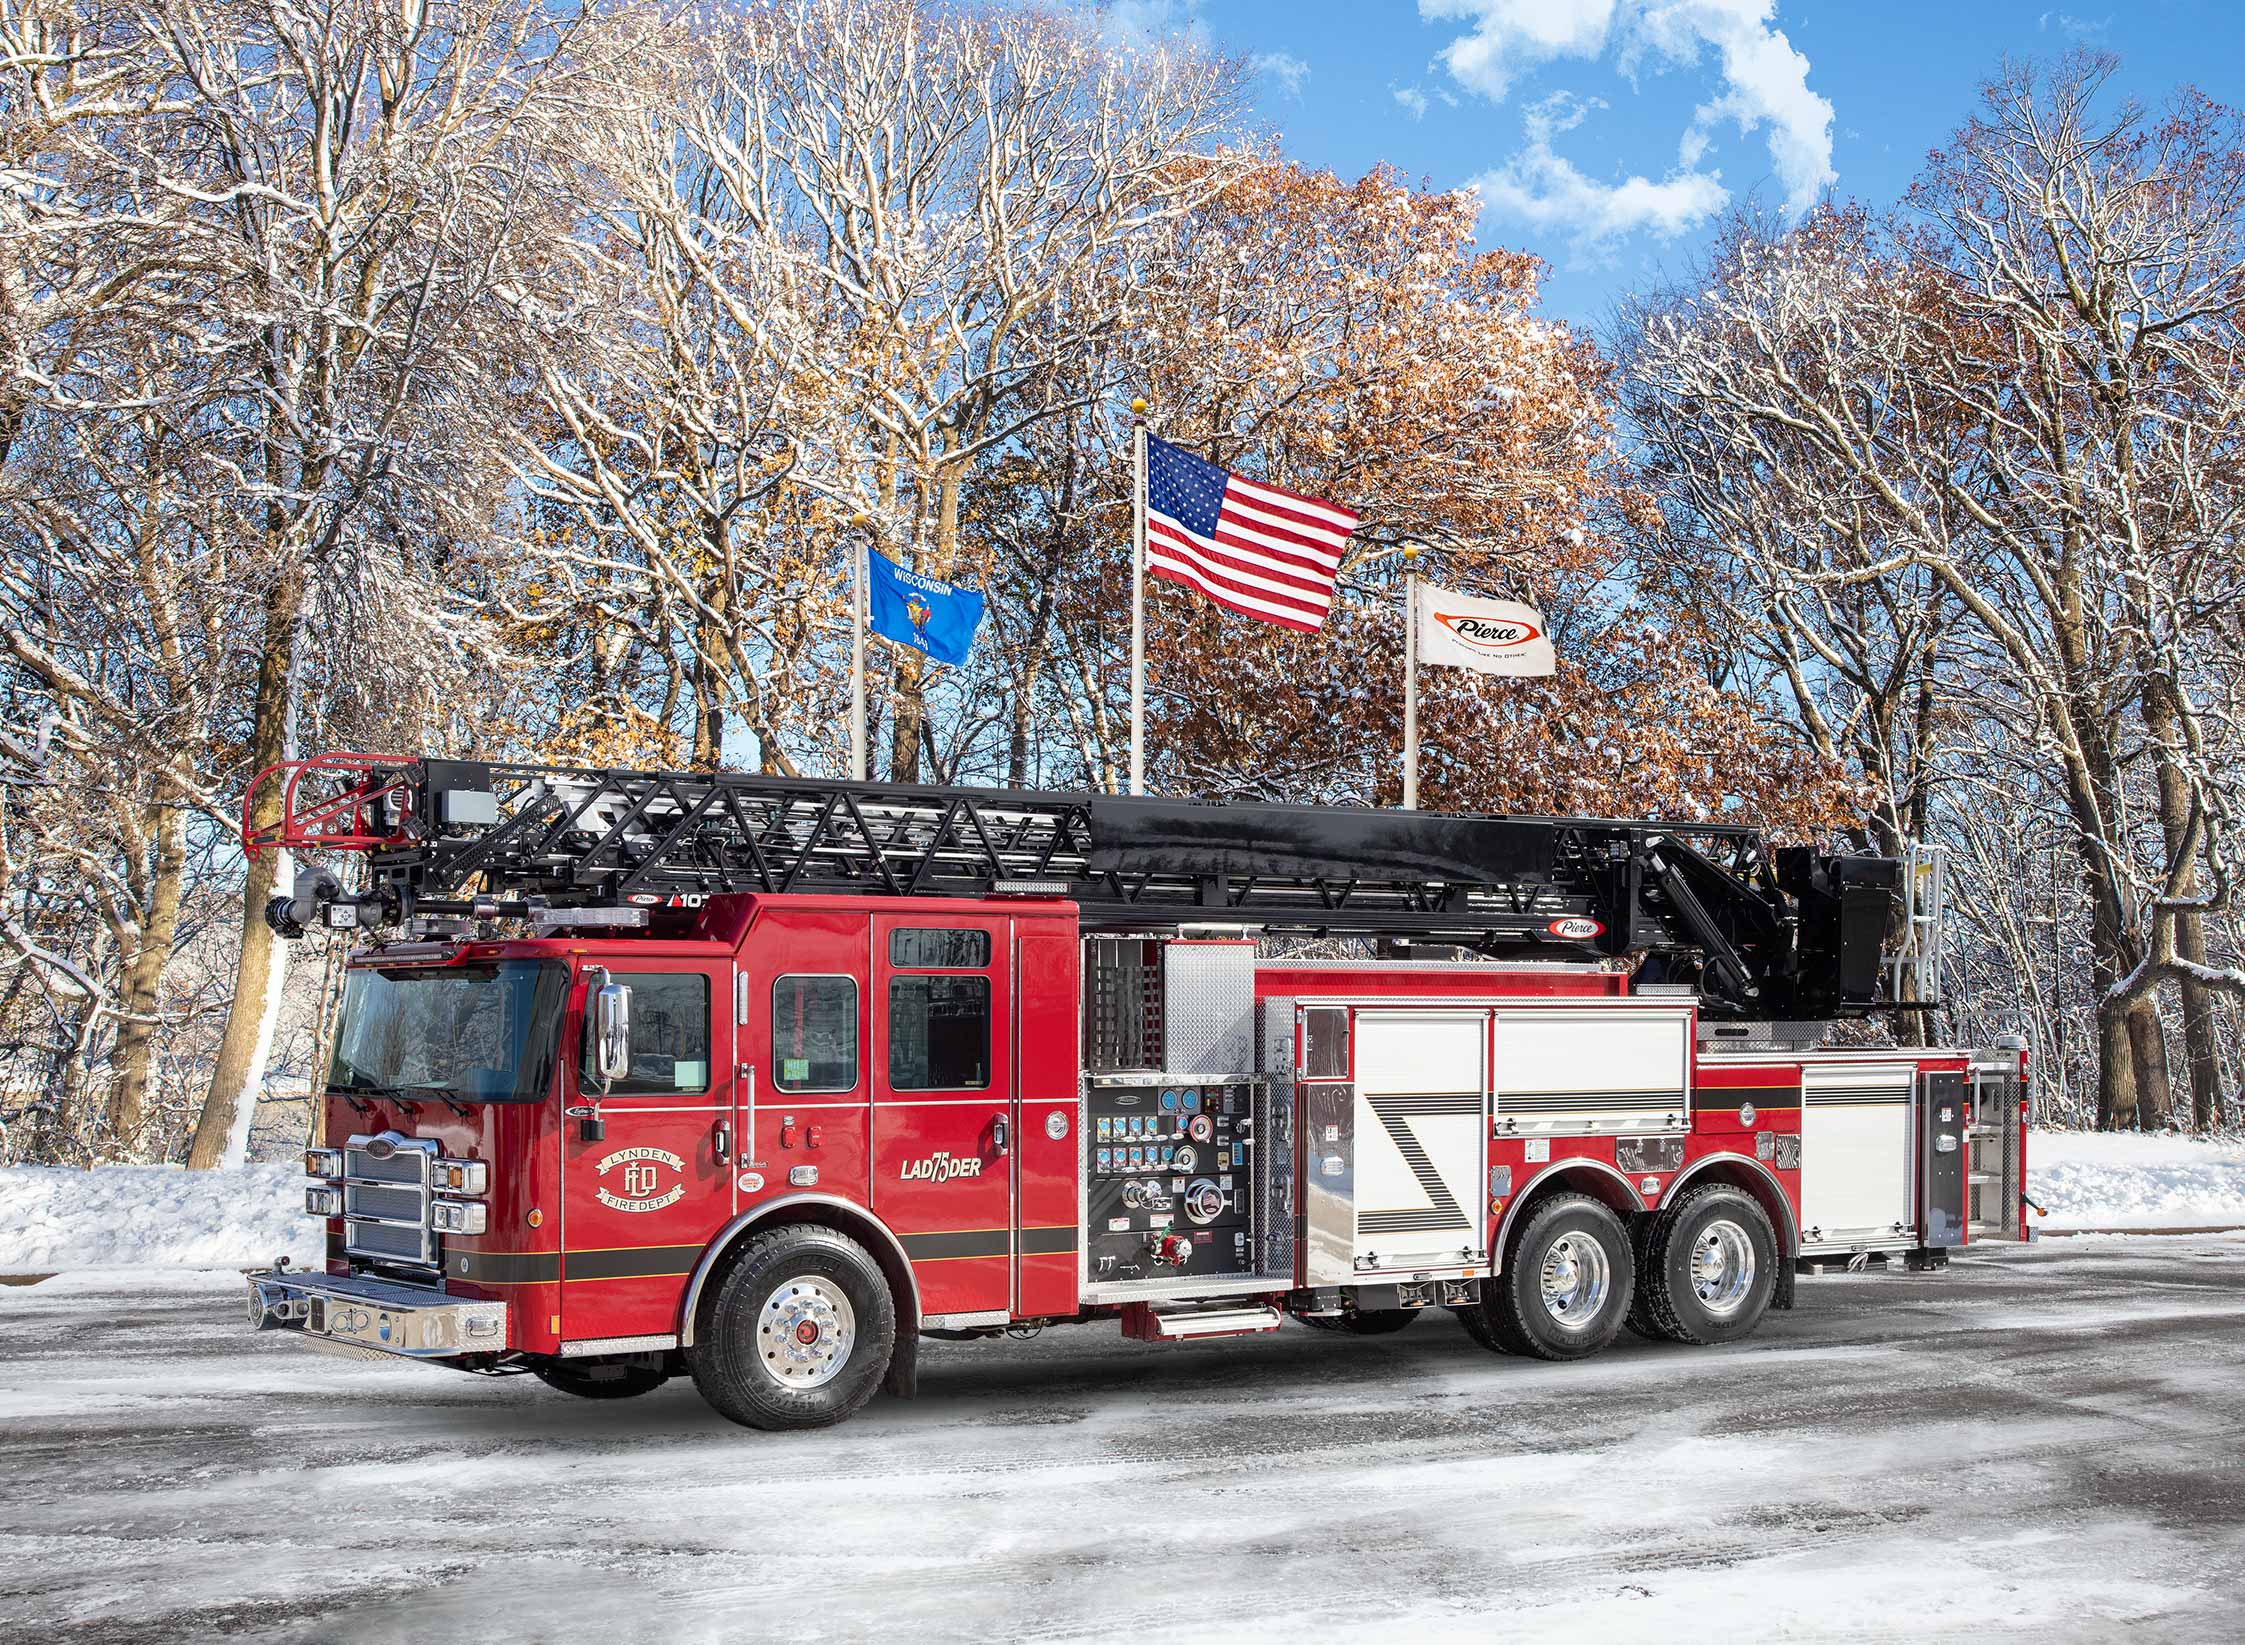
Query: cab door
[(639, 1200), (944, 1122)]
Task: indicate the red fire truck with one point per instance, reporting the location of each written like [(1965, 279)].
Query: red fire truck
[(763, 1081)]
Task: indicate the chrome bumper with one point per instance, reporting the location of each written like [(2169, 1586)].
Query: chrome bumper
[(378, 1316)]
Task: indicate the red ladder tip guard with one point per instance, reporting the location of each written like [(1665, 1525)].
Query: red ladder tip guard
[(345, 818)]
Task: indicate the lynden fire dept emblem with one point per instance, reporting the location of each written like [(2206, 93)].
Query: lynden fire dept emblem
[(640, 1184), (940, 1167)]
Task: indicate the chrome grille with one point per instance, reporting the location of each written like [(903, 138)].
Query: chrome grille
[(390, 1204), (408, 1164), (386, 1199), (390, 1240)]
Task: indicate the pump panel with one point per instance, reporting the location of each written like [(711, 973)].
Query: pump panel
[(1169, 1180)]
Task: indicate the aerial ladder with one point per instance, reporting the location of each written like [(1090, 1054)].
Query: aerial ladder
[(1760, 932)]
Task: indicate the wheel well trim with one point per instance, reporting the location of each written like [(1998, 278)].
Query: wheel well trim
[(1558, 1172), (858, 1215), (1788, 1227)]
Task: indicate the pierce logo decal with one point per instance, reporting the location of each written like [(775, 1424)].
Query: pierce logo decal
[(1576, 928), (639, 1185), (940, 1167), (1488, 634)]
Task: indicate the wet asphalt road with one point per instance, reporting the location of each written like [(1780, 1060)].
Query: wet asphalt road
[(2045, 1444)]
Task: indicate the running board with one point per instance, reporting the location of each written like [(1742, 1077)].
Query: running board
[(1143, 1322)]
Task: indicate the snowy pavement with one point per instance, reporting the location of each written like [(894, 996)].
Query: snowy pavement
[(2039, 1444)]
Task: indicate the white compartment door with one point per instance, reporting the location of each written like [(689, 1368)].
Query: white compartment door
[(1576, 1072), (1855, 1152), (1422, 1135)]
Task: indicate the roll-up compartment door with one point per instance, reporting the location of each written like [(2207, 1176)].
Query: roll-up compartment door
[(1855, 1152), (1579, 1072), (1421, 1138)]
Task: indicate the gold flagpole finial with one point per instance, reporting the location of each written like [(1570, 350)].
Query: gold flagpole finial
[(1138, 408)]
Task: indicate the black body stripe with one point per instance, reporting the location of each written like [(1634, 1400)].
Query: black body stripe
[(641, 1262), (975, 1242), (1045, 1242), (503, 1267)]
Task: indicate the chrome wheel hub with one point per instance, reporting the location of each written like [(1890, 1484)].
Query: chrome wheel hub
[(805, 1331), (1722, 1268), (1575, 1279)]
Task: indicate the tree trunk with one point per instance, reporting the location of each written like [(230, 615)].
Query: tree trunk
[(2147, 1042), (142, 995), (2201, 1040), (262, 969), (2202, 1046)]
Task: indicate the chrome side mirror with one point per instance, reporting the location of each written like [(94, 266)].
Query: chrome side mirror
[(607, 1052), (611, 1033)]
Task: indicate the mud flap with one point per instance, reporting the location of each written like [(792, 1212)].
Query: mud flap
[(903, 1380), (1788, 1277)]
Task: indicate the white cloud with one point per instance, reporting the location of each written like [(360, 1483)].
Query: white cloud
[(1413, 100), (1543, 188), (1284, 67), (1764, 79)]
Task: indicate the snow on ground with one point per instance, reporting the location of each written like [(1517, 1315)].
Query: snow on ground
[(129, 1216), (2036, 1445), (2130, 1180), (126, 1216)]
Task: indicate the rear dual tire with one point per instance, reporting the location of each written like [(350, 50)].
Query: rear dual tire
[(1708, 1268), (1566, 1285)]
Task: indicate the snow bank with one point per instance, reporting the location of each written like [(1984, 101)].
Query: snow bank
[(2129, 1180), (138, 1216), (133, 1216)]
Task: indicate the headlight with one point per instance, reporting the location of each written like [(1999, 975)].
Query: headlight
[(460, 1176), (451, 1217), (323, 1162), (323, 1202)]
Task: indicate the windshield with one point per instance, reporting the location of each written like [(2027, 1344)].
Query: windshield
[(474, 1033)]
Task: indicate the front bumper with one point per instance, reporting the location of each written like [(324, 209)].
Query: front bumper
[(379, 1316)]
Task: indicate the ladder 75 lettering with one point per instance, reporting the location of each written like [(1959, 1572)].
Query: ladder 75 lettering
[(771, 1079)]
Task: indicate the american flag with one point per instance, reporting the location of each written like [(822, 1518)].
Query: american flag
[(1250, 547)]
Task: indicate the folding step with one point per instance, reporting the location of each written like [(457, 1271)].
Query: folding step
[(1144, 1322)]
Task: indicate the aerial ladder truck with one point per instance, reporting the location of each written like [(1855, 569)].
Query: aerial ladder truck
[(766, 1081)]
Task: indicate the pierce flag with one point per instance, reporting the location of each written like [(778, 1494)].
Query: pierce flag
[(1488, 636)]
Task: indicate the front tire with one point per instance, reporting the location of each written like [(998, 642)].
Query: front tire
[(800, 1334), (1566, 1283), (593, 1381), (1710, 1268)]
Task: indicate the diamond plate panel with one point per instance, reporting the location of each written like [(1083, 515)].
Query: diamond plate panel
[(1208, 1008)]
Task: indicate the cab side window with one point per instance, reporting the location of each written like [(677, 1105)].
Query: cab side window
[(669, 1033), (939, 1033), (939, 1027), (814, 1034)]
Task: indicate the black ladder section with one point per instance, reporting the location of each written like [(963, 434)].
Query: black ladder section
[(1761, 933)]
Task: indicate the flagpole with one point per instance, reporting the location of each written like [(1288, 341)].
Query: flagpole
[(1411, 677), (861, 540), (1138, 597)]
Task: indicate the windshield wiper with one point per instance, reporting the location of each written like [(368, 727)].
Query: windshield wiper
[(409, 1096)]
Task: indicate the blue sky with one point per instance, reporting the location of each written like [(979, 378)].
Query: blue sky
[(1605, 133)]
